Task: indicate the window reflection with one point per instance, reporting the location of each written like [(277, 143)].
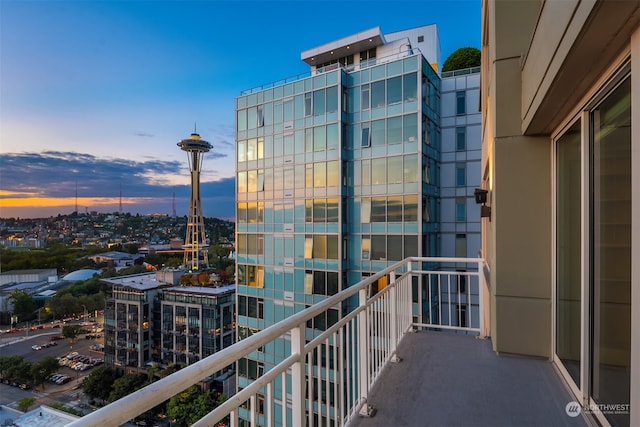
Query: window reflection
[(611, 250), (568, 241)]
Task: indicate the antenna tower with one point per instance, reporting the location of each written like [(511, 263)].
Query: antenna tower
[(173, 206), (195, 244)]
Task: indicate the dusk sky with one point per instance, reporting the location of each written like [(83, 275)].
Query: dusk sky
[(95, 95)]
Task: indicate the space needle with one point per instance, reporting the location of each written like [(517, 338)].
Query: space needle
[(195, 244)]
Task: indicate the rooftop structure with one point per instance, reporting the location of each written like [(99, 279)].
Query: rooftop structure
[(148, 319), (341, 173), (43, 416)]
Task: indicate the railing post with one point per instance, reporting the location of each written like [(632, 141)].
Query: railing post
[(363, 353), (393, 312), (481, 305), (297, 377)]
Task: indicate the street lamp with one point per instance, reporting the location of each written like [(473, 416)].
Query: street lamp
[(84, 319)]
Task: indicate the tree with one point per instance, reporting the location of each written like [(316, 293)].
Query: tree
[(71, 331), (126, 385), (25, 402), (231, 272), (23, 304), (173, 262), (62, 305), (465, 57), (42, 369), (98, 383), (189, 406), (15, 367)]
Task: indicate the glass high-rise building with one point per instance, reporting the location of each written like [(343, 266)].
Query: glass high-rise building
[(338, 176)]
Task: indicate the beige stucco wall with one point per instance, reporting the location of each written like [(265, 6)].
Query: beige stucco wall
[(518, 175)]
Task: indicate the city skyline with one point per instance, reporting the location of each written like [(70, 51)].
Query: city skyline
[(97, 94)]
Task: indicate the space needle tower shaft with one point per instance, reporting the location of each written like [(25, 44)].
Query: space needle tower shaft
[(195, 244)]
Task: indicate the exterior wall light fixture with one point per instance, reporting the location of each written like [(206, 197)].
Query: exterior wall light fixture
[(480, 195)]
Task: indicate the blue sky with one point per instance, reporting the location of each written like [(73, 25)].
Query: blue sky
[(96, 95)]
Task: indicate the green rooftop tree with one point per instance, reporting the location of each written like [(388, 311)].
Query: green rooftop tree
[(25, 402), (465, 57)]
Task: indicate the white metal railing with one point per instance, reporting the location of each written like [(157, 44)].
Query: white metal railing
[(327, 375)]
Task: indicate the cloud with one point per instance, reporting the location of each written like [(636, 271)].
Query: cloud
[(146, 186), (144, 134)]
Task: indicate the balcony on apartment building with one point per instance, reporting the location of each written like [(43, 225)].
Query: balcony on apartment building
[(381, 363)]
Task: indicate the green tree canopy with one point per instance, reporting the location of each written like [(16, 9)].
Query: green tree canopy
[(189, 406), (465, 57), (98, 383), (126, 384), (25, 402), (23, 304), (71, 331), (62, 305), (15, 368), (42, 369)]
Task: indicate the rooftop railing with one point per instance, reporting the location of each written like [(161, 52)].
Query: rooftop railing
[(461, 72), (326, 376), (349, 68)]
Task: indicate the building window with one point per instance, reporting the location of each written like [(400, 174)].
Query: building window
[(394, 90), (394, 130), (379, 247), (250, 307), (462, 315), (260, 116), (367, 54), (461, 209), (366, 248), (378, 133), (366, 137), (321, 246), (461, 282), (426, 210), (366, 102), (461, 245), (322, 282), (378, 94), (319, 102), (410, 87), (568, 246), (461, 175), (420, 39), (461, 138), (308, 104), (461, 102)]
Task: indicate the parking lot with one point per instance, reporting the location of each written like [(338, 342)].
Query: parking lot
[(46, 342)]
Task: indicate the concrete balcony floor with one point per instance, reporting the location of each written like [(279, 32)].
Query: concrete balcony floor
[(446, 379)]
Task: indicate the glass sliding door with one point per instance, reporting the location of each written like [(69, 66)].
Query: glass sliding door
[(568, 250), (610, 247)]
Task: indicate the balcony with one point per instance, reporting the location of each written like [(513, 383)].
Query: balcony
[(414, 350)]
